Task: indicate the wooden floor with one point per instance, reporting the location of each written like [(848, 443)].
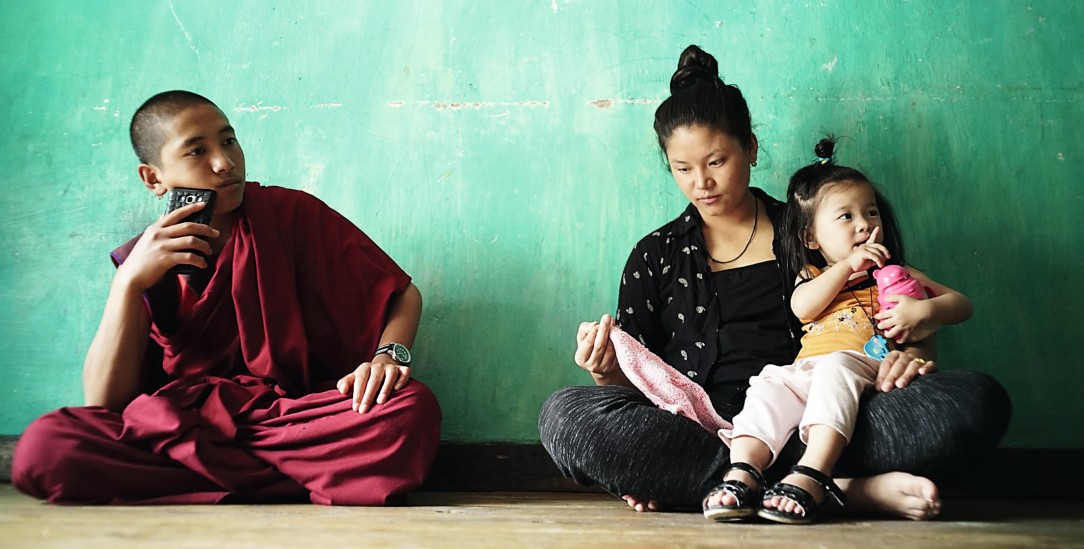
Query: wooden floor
[(515, 520)]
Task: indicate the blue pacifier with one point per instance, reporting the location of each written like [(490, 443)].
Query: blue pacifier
[(876, 348)]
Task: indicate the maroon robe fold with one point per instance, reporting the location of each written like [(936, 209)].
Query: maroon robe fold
[(248, 410)]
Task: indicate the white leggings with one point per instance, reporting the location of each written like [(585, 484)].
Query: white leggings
[(819, 390)]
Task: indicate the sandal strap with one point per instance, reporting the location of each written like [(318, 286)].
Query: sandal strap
[(742, 466), (741, 491), (830, 487)]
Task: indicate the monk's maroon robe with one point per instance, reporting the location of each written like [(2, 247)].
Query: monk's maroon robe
[(242, 405)]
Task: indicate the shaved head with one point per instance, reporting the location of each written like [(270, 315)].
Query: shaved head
[(147, 128)]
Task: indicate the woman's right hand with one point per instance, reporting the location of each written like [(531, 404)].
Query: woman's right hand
[(165, 244), (594, 350)]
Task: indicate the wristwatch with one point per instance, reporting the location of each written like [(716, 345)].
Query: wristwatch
[(397, 351)]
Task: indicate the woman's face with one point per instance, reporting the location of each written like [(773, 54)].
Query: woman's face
[(711, 167)]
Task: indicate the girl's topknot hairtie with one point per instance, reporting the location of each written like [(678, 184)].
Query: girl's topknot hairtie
[(824, 149)]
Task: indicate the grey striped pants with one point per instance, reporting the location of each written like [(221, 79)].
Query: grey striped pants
[(942, 426)]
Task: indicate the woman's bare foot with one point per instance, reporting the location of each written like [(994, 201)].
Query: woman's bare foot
[(639, 505), (897, 494)]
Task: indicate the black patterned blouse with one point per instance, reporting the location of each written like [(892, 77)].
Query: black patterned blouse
[(669, 301)]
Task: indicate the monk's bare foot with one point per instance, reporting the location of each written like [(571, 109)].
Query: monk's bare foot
[(640, 505), (897, 494), (726, 499)]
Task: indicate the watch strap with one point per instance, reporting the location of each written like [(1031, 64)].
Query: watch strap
[(395, 350)]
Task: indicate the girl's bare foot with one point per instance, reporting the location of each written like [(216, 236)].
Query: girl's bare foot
[(897, 494), (726, 498), (788, 505)]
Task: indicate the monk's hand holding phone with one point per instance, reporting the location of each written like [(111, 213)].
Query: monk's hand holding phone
[(179, 242)]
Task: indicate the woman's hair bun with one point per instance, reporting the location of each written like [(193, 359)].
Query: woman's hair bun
[(824, 149), (695, 65)]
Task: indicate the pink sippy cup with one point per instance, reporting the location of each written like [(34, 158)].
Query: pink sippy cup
[(895, 280)]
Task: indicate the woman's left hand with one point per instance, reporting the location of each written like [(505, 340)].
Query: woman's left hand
[(373, 381), (900, 368)]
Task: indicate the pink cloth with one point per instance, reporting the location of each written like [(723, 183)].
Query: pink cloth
[(666, 387)]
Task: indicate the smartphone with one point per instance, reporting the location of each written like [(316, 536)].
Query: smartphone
[(181, 197)]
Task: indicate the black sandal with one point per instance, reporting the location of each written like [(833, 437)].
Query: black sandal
[(748, 498), (802, 497)]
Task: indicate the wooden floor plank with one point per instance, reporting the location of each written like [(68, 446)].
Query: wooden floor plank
[(515, 520)]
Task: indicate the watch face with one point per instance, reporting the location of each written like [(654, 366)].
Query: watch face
[(400, 353)]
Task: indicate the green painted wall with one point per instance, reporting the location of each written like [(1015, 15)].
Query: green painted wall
[(502, 152)]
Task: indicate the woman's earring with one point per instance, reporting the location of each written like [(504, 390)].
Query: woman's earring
[(753, 164)]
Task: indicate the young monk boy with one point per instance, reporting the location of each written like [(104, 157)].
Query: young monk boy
[(279, 370)]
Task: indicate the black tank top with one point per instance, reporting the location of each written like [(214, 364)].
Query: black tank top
[(753, 321)]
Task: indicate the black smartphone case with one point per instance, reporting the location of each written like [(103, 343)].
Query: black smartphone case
[(181, 197)]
